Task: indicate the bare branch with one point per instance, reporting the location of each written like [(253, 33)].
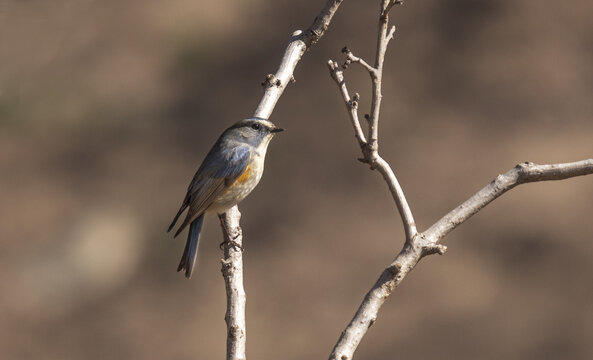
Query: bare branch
[(370, 148), (388, 5), (390, 34), (522, 173), (417, 245), (299, 42), (398, 196), (351, 58), (338, 76), (276, 83), (274, 87), (424, 244), (383, 38), (321, 22), (232, 272)]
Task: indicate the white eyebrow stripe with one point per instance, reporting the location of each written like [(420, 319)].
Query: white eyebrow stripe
[(267, 123)]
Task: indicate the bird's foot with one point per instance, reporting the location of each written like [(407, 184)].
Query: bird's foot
[(230, 236), (232, 243)]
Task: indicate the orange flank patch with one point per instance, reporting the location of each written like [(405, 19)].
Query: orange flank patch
[(245, 176)]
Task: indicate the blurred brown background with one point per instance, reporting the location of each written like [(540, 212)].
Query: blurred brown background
[(107, 108)]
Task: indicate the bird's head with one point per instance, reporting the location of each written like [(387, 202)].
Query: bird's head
[(253, 131)]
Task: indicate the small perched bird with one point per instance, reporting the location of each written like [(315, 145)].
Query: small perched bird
[(230, 171)]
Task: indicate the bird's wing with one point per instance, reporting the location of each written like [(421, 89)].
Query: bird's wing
[(218, 170)]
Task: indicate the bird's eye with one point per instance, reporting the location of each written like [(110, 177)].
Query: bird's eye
[(255, 126)]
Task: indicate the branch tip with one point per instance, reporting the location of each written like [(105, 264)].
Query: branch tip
[(351, 58), (388, 7), (441, 249), (433, 249), (391, 33)]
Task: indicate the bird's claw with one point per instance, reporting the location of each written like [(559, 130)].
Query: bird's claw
[(232, 243)]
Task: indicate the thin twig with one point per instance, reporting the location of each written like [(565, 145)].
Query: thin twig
[(370, 147), (398, 196), (338, 76), (384, 35), (375, 160), (351, 58)]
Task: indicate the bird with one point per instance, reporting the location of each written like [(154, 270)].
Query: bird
[(230, 171)]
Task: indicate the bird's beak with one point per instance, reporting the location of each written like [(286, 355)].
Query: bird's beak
[(276, 129)]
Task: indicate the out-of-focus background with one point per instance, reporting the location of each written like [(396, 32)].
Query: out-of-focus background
[(108, 107)]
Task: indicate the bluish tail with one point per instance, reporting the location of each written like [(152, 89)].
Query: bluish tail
[(188, 259)]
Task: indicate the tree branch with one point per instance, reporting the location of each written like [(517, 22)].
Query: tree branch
[(232, 272), (299, 42), (232, 264), (521, 174), (370, 148), (426, 243), (417, 245), (351, 58), (398, 196), (382, 40), (352, 104)]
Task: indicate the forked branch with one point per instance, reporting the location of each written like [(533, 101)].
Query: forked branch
[(427, 243), (370, 147), (416, 245)]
